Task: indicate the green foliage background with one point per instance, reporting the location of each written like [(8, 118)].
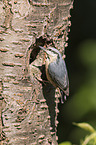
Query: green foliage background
[(81, 64)]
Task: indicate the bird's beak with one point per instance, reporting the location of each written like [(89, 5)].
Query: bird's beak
[(44, 49)]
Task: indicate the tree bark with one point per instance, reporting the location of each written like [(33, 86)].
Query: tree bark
[(28, 107)]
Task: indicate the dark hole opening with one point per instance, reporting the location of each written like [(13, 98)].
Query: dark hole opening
[(42, 41)]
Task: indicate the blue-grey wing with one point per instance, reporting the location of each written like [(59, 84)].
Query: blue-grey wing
[(58, 73)]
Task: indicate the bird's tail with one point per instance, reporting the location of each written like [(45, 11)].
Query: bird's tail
[(63, 97)]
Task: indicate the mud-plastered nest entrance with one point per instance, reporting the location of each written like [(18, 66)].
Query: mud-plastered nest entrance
[(35, 59)]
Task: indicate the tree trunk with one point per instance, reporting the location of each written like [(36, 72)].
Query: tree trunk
[(28, 106)]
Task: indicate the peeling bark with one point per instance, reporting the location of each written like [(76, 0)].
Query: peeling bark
[(28, 107)]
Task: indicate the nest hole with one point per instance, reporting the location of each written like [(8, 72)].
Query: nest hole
[(34, 48)]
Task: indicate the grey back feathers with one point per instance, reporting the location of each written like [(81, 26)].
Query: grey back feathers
[(58, 73), (57, 69)]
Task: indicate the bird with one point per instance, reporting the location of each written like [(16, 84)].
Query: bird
[(56, 71)]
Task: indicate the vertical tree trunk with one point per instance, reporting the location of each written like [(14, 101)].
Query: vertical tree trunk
[(28, 108)]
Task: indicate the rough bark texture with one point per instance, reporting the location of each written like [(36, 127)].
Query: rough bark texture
[(28, 108)]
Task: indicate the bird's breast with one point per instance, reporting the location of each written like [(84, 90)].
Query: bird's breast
[(49, 76)]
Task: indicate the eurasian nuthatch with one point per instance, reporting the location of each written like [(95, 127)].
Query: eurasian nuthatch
[(56, 71)]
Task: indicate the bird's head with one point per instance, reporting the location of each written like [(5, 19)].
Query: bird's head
[(52, 53)]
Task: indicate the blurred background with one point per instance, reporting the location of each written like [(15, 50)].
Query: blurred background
[(81, 64)]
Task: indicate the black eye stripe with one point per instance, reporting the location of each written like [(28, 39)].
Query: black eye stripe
[(52, 51)]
